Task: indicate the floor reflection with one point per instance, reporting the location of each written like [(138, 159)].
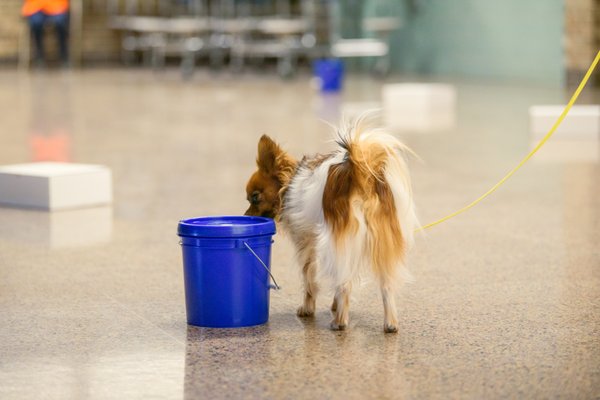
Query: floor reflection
[(55, 146), (290, 356), (328, 107), (51, 119), (568, 151), (227, 362), (60, 229)]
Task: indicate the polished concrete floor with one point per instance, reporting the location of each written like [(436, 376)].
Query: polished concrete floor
[(506, 302)]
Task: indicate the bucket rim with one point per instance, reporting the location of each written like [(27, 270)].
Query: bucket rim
[(226, 226)]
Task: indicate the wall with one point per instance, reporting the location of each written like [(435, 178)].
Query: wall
[(510, 39), (10, 28), (582, 37)]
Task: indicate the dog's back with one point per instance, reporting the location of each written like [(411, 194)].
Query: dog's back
[(355, 204)]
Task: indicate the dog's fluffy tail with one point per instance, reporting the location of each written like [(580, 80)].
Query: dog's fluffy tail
[(370, 192)]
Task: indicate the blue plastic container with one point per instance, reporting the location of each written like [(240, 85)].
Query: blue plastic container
[(226, 285), (330, 72)]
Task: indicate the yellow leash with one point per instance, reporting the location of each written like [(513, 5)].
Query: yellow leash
[(540, 144)]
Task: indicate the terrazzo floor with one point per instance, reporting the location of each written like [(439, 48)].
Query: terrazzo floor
[(506, 302)]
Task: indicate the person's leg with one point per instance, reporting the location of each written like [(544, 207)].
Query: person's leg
[(61, 24), (36, 24)]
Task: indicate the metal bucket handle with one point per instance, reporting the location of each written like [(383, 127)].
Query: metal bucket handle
[(275, 285)]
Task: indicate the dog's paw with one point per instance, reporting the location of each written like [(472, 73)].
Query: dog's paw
[(305, 312), (389, 328), (335, 326)]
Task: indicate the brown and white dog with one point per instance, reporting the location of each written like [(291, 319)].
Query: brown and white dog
[(346, 211)]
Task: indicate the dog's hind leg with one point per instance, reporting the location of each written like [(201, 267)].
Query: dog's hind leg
[(390, 319), (309, 272), (342, 307)]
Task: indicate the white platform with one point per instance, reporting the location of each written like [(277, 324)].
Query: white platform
[(582, 122), (419, 106), (55, 186)]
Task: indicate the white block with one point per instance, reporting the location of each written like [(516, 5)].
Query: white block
[(582, 122), (61, 229), (55, 186), (419, 106)]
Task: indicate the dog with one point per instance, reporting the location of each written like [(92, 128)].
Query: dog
[(346, 211)]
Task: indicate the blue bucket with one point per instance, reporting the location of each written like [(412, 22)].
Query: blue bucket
[(330, 73), (226, 265)]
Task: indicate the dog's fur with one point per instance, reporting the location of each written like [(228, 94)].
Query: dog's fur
[(345, 211)]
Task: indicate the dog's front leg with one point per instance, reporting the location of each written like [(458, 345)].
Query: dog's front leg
[(309, 272)]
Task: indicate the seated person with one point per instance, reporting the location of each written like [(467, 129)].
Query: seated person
[(55, 12)]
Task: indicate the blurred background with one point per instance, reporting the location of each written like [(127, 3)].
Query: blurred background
[(548, 42)]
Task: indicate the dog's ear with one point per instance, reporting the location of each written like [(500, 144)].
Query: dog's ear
[(268, 153)]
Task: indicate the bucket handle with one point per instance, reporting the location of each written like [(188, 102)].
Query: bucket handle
[(276, 286)]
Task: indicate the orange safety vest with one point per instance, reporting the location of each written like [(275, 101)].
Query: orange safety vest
[(50, 7)]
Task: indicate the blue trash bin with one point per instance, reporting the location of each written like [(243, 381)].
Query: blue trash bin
[(330, 73)]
